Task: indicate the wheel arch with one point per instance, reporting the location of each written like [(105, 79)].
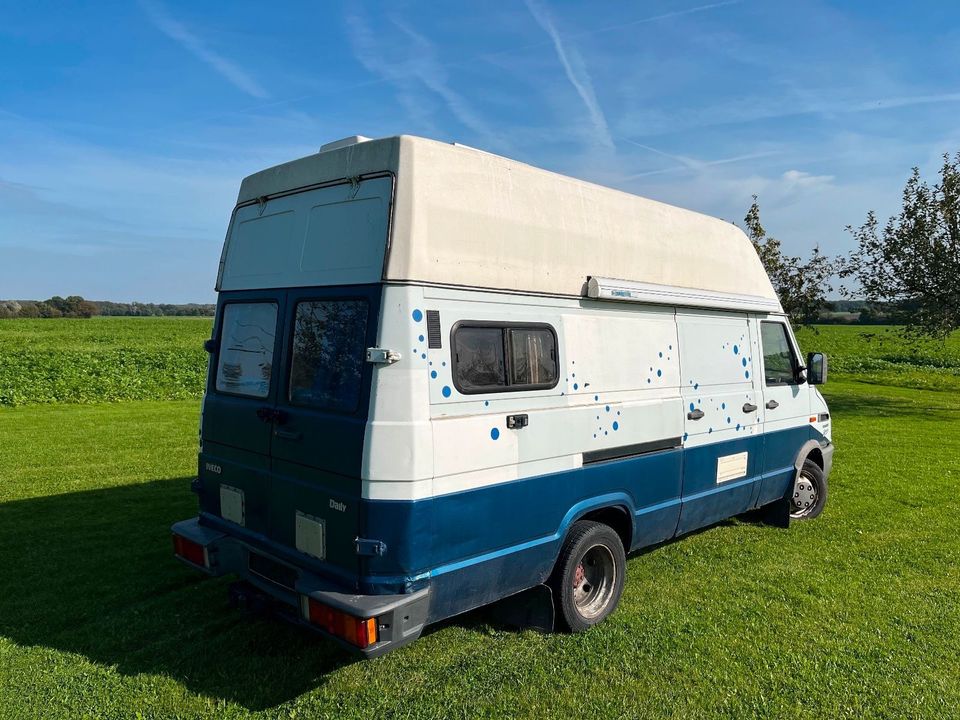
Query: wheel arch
[(614, 510), (809, 451)]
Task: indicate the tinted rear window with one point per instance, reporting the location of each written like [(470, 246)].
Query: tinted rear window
[(247, 338), (328, 354)]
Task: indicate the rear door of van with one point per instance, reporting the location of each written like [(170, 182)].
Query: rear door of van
[(321, 416), (236, 425)]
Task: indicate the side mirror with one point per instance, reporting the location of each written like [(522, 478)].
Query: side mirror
[(210, 345), (816, 368)]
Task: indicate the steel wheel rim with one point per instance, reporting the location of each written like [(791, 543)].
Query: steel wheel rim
[(805, 496), (594, 580)]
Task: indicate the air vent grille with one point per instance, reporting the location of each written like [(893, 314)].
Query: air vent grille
[(433, 330)]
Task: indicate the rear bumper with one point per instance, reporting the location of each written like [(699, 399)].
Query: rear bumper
[(400, 618)]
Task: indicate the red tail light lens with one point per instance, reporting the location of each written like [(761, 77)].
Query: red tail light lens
[(361, 632), (190, 551)]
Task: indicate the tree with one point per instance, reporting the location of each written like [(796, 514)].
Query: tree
[(914, 261), (801, 286)]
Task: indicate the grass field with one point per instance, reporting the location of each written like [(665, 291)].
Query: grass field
[(856, 614), (102, 359)]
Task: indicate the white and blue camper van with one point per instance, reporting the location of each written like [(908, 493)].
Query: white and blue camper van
[(439, 377)]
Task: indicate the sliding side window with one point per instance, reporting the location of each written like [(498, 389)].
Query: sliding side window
[(491, 357)]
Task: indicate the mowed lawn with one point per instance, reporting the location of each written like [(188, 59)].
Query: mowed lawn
[(856, 614)]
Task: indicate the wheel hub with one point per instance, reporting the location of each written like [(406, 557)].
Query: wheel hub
[(593, 581), (804, 497)]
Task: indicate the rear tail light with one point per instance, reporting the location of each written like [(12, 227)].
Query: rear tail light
[(361, 632), (190, 551)]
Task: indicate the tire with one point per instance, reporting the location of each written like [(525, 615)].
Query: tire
[(808, 495), (588, 578)]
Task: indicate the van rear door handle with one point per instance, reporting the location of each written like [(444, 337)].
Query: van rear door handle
[(749, 408), (772, 405), (287, 434), (695, 414)]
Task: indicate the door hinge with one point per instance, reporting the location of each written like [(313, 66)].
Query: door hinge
[(370, 547), (382, 356)]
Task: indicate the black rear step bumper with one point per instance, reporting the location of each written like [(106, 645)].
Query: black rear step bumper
[(400, 618)]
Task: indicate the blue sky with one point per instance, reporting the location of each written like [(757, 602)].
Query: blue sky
[(125, 128)]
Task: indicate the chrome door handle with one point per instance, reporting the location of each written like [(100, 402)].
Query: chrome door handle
[(695, 414), (749, 408), (772, 405)]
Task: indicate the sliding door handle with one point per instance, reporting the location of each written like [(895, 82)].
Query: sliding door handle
[(772, 405), (749, 408), (694, 414)]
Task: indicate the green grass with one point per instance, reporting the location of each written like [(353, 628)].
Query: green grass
[(111, 359), (102, 359), (853, 615), (881, 355)]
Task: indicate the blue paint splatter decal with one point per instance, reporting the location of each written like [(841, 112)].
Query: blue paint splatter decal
[(417, 315), (433, 374), (420, 338), (446, 391), (616, 425), (495, 433)]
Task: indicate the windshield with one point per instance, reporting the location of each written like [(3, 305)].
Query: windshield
[(247, 340)]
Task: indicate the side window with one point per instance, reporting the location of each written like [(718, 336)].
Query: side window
[(247, 336), (501, 358), (533, 357), (779, 364), (328, 354), (479, 358)]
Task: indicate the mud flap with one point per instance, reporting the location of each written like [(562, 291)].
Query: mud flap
[(529, 610), (777, 513)]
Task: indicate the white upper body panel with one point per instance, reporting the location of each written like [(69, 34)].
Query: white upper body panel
[(466, 218)]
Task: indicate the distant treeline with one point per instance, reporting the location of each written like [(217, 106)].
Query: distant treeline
[(860, 312), (75, 306), (835, 312)]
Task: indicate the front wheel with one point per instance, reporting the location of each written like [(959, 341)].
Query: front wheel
[(588, 579), (809, 493)]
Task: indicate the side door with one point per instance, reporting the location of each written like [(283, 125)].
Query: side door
[(318, 433), (786, 407), (236, 430), (721, 439)]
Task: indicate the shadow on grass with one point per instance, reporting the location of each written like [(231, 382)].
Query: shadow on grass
[(93, 573)]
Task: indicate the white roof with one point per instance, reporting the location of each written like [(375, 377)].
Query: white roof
[(468, 218)]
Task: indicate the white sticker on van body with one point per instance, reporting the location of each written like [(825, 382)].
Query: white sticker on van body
[(231, 504), (731, 467), (311, 535)]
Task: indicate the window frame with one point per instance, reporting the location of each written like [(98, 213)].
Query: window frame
[(284, 393), (504, 328), (794, 358), (217, 357)]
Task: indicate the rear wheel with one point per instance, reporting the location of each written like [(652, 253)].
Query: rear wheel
[(588, 579), (809, 494)]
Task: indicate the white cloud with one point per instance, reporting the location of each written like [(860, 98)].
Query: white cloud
[(576, 73), (196, 46)]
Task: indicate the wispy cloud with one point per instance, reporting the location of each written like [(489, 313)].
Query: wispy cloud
[(419, 68), (689, 164), (175, 30), (576, 73)]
